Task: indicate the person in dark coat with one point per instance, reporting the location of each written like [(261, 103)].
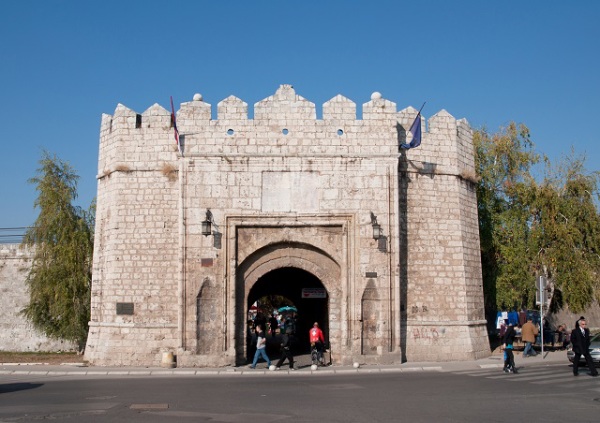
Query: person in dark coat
[(273, 324), (286, 349), (508, 341), (580, 339)]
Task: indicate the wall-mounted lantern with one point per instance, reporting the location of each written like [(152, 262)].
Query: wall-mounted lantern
[(209, 227), (377, 232), (207, 224)]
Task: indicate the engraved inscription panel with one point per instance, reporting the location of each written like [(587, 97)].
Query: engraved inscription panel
[(290, 192)]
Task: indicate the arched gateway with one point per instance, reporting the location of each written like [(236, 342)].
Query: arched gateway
[(188, 236), (305, 292), (291, 269)]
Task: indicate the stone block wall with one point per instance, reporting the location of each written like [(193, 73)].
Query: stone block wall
[(16, 333)]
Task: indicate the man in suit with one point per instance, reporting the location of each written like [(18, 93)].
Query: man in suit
[(580, 338)]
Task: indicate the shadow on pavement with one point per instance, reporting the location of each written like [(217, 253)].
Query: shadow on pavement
[(14, 387)]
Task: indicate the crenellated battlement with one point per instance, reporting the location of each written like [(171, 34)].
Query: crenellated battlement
[(285, 106), (284, 124)]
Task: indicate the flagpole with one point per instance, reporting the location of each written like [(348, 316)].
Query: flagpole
[(176, 131)]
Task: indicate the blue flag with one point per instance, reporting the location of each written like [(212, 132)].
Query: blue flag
[(415, 130)]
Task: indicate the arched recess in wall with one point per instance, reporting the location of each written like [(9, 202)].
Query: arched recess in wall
[(207, 319), (370, 307)]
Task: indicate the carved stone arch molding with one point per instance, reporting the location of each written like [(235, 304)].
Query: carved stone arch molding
[(291, 255), (298, 255), (321, 246)]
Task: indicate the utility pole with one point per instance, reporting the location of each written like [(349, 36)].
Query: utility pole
[(540, 299)]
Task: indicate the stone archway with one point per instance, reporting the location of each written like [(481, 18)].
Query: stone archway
[(298, 287), (295, 259)]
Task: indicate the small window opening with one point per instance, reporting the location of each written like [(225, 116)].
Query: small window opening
[(138, 121)]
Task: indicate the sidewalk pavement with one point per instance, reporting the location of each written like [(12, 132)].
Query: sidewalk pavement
[(81, 369)]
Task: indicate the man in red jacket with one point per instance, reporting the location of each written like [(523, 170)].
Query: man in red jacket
[(317, 339)]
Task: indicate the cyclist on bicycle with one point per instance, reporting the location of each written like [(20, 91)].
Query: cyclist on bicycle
[(317, 340)]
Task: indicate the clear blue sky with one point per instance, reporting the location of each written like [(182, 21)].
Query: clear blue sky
[(64, 63)]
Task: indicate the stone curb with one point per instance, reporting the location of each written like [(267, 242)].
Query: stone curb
[(210, 373), (81, 369)]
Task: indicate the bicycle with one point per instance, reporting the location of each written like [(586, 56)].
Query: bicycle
[(316, 356)]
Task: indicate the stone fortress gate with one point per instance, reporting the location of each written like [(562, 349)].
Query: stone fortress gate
[(293, 203)]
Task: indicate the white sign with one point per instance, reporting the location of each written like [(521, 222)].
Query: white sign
[(314, 293), (540, 291)]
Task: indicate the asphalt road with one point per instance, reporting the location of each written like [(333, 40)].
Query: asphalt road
[(539, 393)]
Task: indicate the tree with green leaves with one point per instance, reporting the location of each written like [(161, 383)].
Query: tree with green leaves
[(530, 228), (566, 232), (503, 163), (62, 242)]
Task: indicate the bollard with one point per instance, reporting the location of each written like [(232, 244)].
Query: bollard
[(168, 360)]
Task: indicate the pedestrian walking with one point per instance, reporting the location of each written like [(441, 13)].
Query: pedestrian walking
[(261, 346), (580, 339), (528, 334), (508, 341), (287, 340)]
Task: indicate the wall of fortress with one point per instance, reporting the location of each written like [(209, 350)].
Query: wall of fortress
[(286, 167), (16, 333)]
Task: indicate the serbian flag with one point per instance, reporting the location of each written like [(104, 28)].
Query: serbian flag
[(415, 130), (174, 123)]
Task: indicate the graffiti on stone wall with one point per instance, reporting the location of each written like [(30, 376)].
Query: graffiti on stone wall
[(416, 309), (426, 333)]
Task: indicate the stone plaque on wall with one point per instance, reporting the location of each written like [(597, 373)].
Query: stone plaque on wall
[(125, 309), (290, 192)]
